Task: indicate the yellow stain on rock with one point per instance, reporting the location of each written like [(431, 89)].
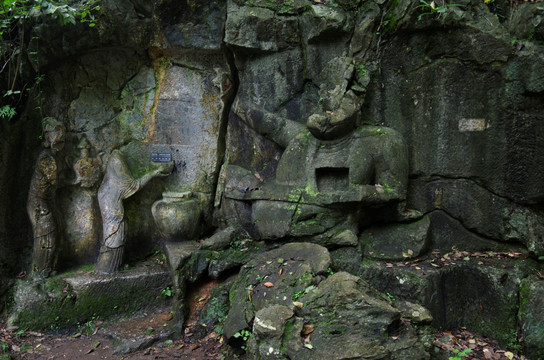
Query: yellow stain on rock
[(159, 65)]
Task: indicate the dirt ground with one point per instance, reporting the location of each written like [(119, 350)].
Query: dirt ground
[(100, 347), (98, 340), (100, 344)]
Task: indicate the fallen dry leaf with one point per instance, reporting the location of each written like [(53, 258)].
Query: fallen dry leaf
[(193, 347)]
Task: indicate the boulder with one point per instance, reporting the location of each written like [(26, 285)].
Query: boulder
[(396, 241), (276, 277), (342, 318)]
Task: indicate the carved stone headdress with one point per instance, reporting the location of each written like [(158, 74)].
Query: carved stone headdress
[(51, 124)]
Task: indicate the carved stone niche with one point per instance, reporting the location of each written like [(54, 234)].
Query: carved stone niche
[(330, 179)]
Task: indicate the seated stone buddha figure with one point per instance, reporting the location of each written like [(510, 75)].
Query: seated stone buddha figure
[(332, 177)]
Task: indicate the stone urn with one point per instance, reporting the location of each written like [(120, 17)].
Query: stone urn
[(178, 215)]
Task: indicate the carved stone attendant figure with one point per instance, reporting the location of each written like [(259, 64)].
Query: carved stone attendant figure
[(87, 169), (118, 185), (41, 198)]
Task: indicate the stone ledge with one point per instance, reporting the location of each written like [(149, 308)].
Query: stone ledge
[(65, 302)]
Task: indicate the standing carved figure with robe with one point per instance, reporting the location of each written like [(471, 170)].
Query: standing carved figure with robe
[(41, 199), (118, 185)]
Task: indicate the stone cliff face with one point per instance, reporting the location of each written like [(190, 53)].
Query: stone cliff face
[(234, 82)]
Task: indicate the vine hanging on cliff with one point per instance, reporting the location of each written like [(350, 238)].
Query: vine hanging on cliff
[(13, 17)]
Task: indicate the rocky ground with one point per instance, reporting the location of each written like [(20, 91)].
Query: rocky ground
[(98, 340), (149, 335), (19, 344)]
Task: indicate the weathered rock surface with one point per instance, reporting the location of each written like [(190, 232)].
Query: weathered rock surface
[(398, 241), (341, 318), (482, 297), (293, 311), (485, 213), (276, 277), (530, 316), (462, 87)]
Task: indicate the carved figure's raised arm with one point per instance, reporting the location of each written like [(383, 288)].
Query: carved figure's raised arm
[(272, 126), (164, 169)]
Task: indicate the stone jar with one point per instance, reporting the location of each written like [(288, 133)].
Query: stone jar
[(178, 215)]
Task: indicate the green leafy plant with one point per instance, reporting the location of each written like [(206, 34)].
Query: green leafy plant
[(4, 351), (460, 355), (513, 341), (218, 312), (168, 292), (238, 243), (15, 45), (244, 335), (302, 292), (13, 11), (430, 8), (7, 112)]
